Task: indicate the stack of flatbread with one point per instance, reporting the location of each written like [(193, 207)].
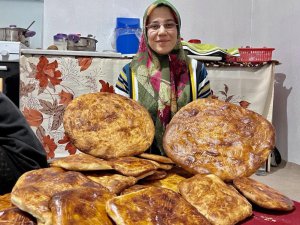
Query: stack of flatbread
[(212, 147)]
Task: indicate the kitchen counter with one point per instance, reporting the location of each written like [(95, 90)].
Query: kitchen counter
[(74, 53)]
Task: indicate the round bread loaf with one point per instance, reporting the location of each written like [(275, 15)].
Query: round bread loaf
[(263, 195), (213, 136), (108, 125)]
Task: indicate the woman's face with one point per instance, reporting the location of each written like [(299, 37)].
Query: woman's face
[(161, 30)]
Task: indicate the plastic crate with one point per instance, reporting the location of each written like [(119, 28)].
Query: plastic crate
[(253, 55)]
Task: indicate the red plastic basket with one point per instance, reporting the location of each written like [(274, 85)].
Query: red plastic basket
[(253, 55)]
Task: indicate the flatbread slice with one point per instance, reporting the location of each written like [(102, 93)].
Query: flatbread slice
[(5, 201), (153, 205), (15, 216), (157, 158), (162, 166), (171, 182), (115, 183), (82, 206), (133, 166), (212, 136), (157, 175), (263, 195), (220, 204), (10, 214), (134, 188), (81, 162), (108, 125), (34, 189)]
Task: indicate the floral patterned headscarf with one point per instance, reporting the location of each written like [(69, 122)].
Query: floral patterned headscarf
[(163, 80)]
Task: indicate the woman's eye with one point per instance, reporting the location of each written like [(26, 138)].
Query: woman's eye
[(170, 25), (155, 26)]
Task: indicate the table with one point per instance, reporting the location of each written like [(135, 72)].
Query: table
[(263, 217), (48, 82)]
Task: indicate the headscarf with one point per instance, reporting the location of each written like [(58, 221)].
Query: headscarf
[(163, 80)]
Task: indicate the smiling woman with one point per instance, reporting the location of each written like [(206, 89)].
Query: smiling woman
[(161, 30), (161, 77)]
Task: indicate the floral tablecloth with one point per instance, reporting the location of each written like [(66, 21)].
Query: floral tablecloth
[(48, 83)]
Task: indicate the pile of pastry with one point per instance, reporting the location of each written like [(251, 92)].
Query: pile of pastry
[(212, 148)]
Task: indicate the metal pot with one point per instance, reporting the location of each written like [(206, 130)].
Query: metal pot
[(13, 33), (77, 43)]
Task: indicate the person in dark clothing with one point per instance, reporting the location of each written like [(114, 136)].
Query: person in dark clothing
[(20, 150)]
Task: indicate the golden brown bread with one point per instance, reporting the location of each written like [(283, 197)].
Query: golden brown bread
[(81, 162), (157, 158), (152, 206), (133, 166), (134, 188), (10, 214), (15, 216), (115, 183), (84, 206), (159, 165), (212, 136), (108, 125), (220, 204), (263, 195), (171, 182), (157, 175), (34, 189), (5, 202)]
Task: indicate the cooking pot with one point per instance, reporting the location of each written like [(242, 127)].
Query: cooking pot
[(14, 33), (77, 43)]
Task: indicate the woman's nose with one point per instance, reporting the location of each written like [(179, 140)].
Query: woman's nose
[(162, 29)]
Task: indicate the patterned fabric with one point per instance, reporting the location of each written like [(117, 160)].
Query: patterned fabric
[(200, 87), (161, 83)]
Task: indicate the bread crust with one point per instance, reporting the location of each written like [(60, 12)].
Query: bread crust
[(153, 205), (33, 190), (81, 162), (157, 158), (108, 125), (133, 166), (212, 136), (218, 202), (115, 183), (80, 206), (263, 195)]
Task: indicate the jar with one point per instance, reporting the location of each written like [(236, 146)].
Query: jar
[(127, 35), (60, 41)]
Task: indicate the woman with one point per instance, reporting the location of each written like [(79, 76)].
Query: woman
[(20, 150), (161, 77)]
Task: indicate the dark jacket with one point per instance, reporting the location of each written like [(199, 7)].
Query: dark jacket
[(20, 150)]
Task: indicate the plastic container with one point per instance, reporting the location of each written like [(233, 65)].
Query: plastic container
[(256, 54), (60, 41), (127, 35), (253, 55)]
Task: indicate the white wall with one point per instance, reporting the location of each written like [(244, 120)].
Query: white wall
[(226, 23), (276, 23), (22, 13), (211, 21)]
